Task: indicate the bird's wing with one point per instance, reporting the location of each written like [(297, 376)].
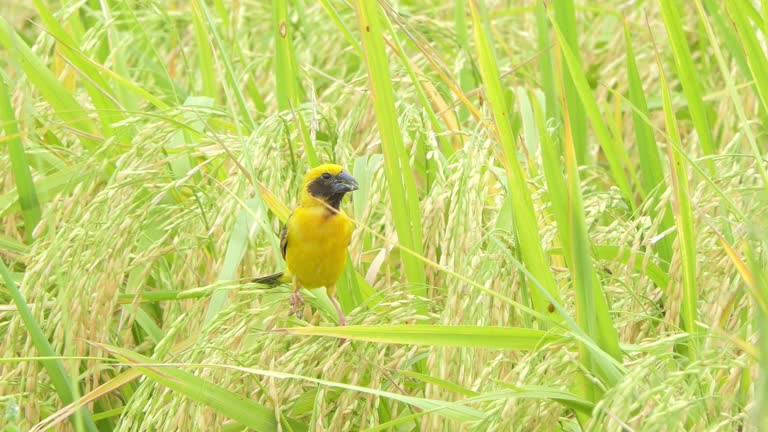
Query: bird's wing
[(284, 237)]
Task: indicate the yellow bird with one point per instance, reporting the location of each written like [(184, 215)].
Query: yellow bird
[(314, 240)]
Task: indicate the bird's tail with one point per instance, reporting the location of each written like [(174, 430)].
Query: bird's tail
[(273, 279)]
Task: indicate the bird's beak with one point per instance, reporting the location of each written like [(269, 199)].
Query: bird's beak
[(344, 183)]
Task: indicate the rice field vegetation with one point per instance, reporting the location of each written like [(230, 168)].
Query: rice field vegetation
[(561, 224)]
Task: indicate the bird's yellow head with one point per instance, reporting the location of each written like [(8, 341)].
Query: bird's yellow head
[(326, 185)]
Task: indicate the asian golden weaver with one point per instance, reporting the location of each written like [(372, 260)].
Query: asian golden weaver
[(314, 240)]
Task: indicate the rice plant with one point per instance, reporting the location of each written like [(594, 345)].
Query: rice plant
[(560, 224)]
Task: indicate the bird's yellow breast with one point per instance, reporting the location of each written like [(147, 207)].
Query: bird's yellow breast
[(316, 249)]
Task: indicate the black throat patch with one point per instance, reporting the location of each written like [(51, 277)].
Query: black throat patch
[(335, 200), (323, 190)]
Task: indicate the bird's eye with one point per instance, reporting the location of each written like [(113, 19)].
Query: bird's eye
[(326, 176)]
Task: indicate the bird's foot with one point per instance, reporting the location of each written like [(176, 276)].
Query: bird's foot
[(297, 304)]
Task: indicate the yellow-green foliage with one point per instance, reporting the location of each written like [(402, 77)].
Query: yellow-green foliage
[(560, 221)]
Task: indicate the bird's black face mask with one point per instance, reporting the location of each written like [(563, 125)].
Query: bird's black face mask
[(331, 188)]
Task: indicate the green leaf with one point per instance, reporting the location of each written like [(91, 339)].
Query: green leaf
[(650, 162), (22, 175), (402, 186), (592, 312), (49, 86), (233, 405), (683, 213), (107, 108), (286, 72), (525, 222), (544, 45), (60, 378), (688, 74), (565, 17), (233, 90), (463, 336), (205, 61), (255, 415), (252, 214), (612, 146)]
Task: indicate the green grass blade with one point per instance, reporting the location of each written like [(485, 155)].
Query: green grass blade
[(523, 213), (438, 382), (289, 90), (738, 101), (650, 161), (730, 37), (194, 117), (352, 290), (111, 386), (149, 325), (553, 173), (592, 311), (683, 215), (555, 180), (758, 64), (306, 139), (565, 17), (22, 175), (233, 87), (237, 408), (238, 242), (695, 165), (205, 61), (564, 398), (460, 24), (107, 108), (66, 106), (688, 75), (143, 45), (759, 293), (47, 187), (13, 246), (402, 187), (546, 62), (120, 65), (334, 15), (614, 252), (58, 375), (127, 84), (468, 73), (652, 172), (605, 364), (612, 147), (509, 338), (437, 128), (169, 295), (286, 74), (221, 400)]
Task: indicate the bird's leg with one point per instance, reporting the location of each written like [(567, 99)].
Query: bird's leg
[(342, 319), (297, 301)]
